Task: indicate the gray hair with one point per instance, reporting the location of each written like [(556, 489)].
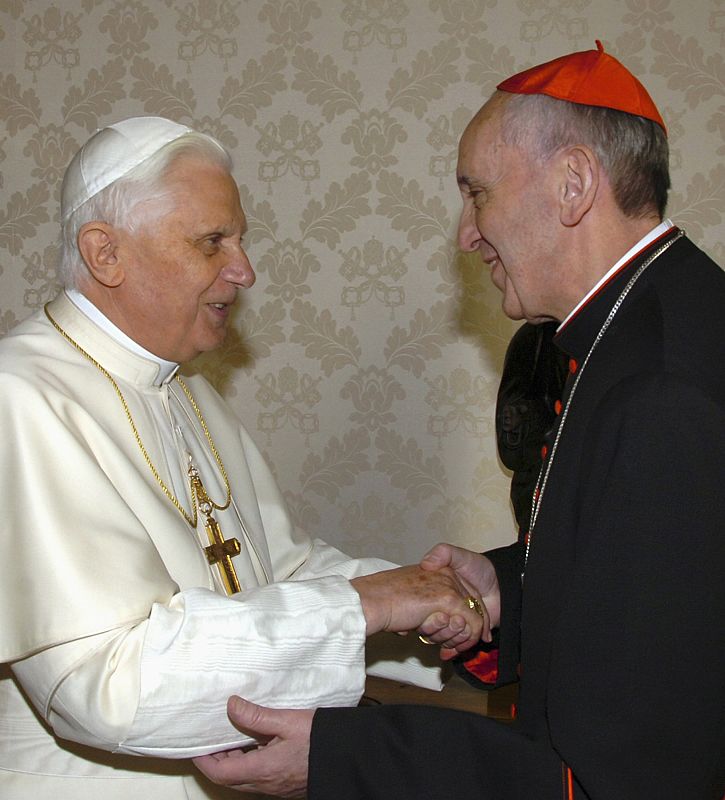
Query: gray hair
[(116, 203), (633, 150)]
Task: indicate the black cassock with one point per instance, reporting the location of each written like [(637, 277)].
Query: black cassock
[(619, 629)]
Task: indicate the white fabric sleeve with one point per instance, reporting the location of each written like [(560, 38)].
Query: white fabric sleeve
[(324, 559), (398, 658), (161, 687)]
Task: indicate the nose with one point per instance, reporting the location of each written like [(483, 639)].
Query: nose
[(238, 269), (469, 236)]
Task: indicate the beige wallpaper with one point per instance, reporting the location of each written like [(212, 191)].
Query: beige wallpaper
[(365, 360)]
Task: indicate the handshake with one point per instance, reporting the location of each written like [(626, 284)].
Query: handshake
[(450, 599)]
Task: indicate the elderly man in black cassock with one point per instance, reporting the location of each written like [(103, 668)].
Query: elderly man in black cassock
[(609, 610)]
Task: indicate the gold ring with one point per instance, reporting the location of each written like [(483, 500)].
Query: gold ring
[(476, 605), (424, 639)]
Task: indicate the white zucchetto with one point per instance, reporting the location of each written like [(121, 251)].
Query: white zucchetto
[(113, 152)]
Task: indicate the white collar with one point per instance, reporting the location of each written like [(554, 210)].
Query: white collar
[(167, 369), (644, 242)]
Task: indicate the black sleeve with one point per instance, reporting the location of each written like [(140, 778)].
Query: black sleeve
[(422, 753), (507, 562), (488, 666)]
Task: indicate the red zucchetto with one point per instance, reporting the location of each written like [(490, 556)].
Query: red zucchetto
[(592, 78)]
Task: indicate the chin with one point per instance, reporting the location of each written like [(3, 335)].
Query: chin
[(211, 344), (512, 312)]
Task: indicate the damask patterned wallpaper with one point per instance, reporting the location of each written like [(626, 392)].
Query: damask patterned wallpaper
[(365, 361)]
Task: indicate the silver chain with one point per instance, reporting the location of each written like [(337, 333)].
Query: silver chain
[(543, 478)]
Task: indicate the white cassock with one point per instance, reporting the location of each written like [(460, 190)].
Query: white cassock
[(112, 622)]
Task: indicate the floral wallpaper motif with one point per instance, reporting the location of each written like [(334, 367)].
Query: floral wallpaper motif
[(365, 360)]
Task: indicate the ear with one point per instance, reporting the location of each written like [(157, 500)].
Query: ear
[(98, 244), (580, 184)]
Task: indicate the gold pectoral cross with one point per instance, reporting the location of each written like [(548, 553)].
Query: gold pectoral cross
[(220, 550)]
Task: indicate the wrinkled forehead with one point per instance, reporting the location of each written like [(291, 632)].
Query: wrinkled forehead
[(489, 117), (215, 191), (482, 135)]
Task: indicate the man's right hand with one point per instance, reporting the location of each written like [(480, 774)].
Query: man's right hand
[(472, 568), (432, 602), (278, 765)]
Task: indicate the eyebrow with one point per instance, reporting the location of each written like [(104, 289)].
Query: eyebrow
[(466, 182), (222, 231)]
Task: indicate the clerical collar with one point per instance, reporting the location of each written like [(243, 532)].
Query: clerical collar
[(630, 255), (167, 369)]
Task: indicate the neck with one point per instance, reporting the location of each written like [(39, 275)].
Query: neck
[(166, 368), (648, 240), (592, 255)]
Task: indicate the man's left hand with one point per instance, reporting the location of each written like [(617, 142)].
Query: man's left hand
[(278, 766)]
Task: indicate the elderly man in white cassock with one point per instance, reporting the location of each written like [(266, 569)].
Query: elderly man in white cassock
[(149, 567)]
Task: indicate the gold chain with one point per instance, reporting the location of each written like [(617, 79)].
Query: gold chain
[(192, 520)]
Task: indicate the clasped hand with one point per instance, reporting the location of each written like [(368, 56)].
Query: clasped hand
[(431, 599), (438, 604)]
